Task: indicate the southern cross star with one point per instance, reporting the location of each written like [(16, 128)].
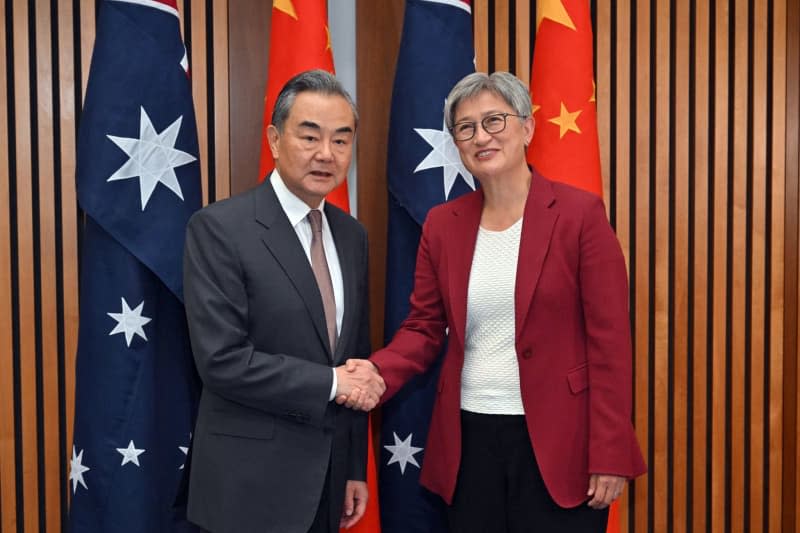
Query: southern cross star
[(403, 452), (76, 470), (130, 454), (185, 451), (129, 322)]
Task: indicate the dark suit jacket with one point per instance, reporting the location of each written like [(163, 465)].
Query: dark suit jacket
[(265, 432), (572, 340)]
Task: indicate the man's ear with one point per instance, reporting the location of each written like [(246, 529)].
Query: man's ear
[(274, 138)]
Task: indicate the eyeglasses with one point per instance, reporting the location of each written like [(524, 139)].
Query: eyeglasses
[(464, 131)]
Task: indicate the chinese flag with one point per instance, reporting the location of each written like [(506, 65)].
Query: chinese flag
[(299, 40), (565, 146), (371, 521)]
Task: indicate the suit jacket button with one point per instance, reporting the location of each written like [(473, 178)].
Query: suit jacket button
[(527, 354)]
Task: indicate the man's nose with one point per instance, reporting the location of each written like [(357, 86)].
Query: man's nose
[(325, 153)]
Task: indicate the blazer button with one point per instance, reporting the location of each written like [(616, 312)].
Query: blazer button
[(527, 354)]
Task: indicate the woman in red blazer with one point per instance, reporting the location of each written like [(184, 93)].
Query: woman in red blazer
[(531, 427)]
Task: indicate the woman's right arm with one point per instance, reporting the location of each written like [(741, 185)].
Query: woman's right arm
[(419, 340)]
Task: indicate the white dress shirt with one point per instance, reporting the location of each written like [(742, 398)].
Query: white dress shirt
[(297, 212)]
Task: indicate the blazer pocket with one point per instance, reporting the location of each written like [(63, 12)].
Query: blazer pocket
[(248, 426), (578, 378)]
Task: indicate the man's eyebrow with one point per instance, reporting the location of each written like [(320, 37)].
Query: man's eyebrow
[(315, 126)]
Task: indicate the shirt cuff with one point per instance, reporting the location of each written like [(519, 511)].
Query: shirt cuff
[(334, 385)]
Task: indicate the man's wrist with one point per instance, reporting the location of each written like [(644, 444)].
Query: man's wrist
[(334, 386)]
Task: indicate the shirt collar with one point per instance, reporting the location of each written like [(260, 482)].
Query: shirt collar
[(295, 208)]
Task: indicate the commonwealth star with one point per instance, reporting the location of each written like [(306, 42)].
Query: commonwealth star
[(152, 158), (444, 154)]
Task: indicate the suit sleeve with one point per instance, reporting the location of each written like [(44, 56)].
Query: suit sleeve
[(218, 317), (419, 339), (357, 463), (613, 448)]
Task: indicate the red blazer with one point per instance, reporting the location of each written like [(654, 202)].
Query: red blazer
[(573, 338)]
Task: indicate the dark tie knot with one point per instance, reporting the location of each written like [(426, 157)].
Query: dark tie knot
[(315, 219)]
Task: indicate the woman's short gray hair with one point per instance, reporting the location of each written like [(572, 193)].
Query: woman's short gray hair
[(503, 84), (314, 81)]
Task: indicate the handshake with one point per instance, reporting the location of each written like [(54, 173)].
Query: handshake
[(359, 385)]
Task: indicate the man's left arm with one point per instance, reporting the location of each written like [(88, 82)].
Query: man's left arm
[(356, 493)]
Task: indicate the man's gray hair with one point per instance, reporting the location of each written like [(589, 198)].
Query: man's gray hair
[(314, 81), (503, 84)]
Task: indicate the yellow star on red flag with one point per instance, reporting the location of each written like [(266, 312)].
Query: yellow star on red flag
[(566, 121), (562, 76), (553, 10), (285, 6)]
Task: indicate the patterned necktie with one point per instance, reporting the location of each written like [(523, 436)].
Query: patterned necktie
[(320, 267)]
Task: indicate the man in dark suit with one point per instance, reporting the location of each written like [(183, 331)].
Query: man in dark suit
[(276, 296)]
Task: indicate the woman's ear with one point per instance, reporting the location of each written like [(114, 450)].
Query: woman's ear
[(528, 127)]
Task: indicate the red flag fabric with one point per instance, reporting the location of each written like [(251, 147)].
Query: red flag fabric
[(371, 521), (299, 39), (565, 145)]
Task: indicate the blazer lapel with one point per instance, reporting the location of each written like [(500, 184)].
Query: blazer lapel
[(537, 229), (348, 251), (462, 234), (281, 240)]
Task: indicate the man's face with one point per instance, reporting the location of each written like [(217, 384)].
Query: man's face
[(313, 152)]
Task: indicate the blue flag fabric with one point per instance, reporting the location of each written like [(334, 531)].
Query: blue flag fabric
[(424, 170), (138, 182)]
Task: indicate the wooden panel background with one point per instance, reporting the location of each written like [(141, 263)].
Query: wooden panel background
[(698, 120), (45, 47), (699, 125)]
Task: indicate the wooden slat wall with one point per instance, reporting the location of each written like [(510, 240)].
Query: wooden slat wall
[(791, 375), (7, 437), (45, 46), (695, 127), (699, 123)]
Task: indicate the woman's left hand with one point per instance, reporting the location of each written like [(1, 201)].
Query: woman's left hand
[(604, 489)]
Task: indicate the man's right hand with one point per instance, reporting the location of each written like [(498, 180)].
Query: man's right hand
[(359, 385)]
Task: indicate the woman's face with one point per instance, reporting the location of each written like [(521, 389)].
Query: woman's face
[(492, 154)]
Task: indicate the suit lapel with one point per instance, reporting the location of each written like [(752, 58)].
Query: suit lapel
[(461, 235), (537, 229), (349, 253), (281, 240)]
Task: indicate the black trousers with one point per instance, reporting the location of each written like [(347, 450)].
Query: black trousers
[(500, 488)]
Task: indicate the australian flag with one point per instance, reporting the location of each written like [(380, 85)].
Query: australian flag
[(424, 170), (138, 182)]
